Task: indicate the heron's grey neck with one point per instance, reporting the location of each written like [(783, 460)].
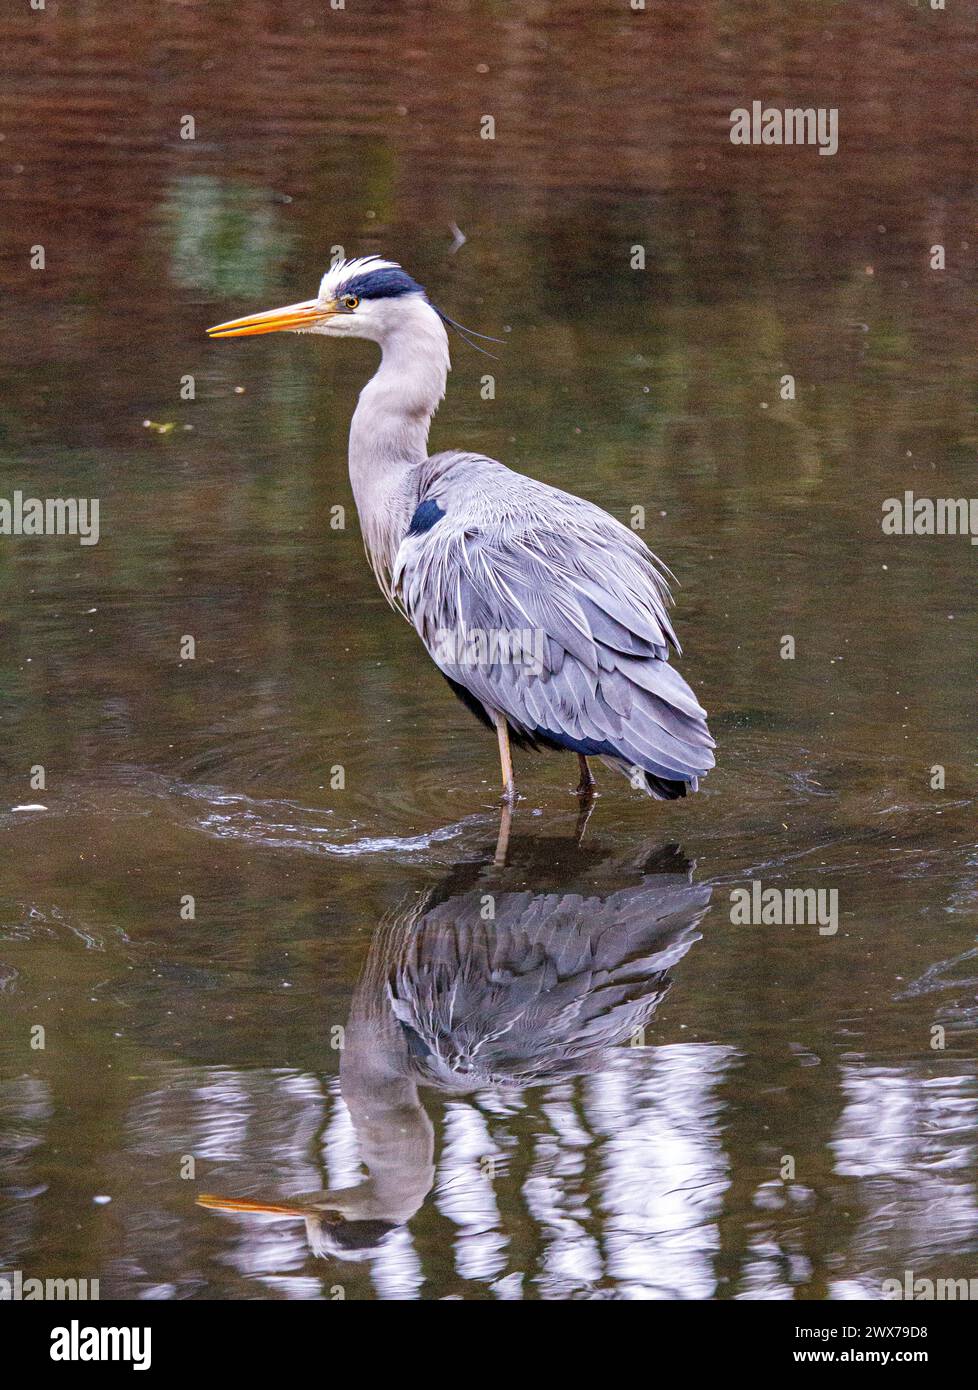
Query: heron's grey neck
[(389, 431), (394, 1133)]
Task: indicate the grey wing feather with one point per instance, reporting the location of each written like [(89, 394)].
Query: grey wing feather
[(589, 669)]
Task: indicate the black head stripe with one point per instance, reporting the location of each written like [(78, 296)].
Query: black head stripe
[(380, 284)]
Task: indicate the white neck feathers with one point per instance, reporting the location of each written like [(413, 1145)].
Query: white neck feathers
[(389, 431)]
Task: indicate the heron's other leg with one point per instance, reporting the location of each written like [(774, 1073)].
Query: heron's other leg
[(587, 783), (505, 758)]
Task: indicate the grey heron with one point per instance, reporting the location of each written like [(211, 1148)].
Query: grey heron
[(451, 1002), (546, 615)]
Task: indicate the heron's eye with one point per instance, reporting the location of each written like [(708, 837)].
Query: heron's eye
[(350, 301)]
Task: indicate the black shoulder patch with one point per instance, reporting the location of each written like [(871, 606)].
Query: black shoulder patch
[(427, 514)]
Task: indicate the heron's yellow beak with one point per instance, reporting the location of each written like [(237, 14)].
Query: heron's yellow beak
[(207, 1199), (292, 316)]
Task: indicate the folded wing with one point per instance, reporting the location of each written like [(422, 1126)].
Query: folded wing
[(539, 605)]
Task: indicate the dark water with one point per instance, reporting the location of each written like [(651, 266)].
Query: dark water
[(639, 1153)]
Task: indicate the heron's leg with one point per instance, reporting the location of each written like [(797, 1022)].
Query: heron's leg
[(505, 760), (587, 782)]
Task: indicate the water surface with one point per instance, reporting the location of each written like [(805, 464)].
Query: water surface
[(646, 1161)]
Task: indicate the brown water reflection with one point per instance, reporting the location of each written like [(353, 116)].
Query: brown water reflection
[(658, 1172)]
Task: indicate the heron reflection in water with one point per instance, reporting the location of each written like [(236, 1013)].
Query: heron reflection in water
[(451, 1001)]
